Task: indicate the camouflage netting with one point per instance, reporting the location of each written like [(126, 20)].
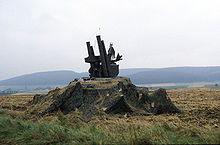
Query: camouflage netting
[(111, 96)]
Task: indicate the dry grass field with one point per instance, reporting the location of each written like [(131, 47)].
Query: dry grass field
[(200, 113), (200, 109)]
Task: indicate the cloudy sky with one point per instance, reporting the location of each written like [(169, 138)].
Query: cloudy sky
[(43, 35)]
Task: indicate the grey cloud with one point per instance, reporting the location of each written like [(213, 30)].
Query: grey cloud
[(41, 35)]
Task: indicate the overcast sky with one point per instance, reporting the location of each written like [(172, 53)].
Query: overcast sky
[(43, 35)]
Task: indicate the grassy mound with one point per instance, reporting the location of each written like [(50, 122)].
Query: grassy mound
[(109, 96)]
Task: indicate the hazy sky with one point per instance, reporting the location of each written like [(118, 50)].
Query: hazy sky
[(42, 35)]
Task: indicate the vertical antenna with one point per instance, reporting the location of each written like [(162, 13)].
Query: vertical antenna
[(99, 31)]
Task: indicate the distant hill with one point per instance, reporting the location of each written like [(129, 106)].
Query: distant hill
[(130, 71), (44, 78), (57, 77), (137, 75), (177, 75)]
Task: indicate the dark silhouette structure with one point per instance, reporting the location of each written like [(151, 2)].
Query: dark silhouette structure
[(104, 65)]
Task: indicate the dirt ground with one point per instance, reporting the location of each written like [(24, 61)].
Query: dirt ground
[(200, 109)]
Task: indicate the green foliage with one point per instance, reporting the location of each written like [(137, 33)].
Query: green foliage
[(17, 131), (62, 119), (2, 112)]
